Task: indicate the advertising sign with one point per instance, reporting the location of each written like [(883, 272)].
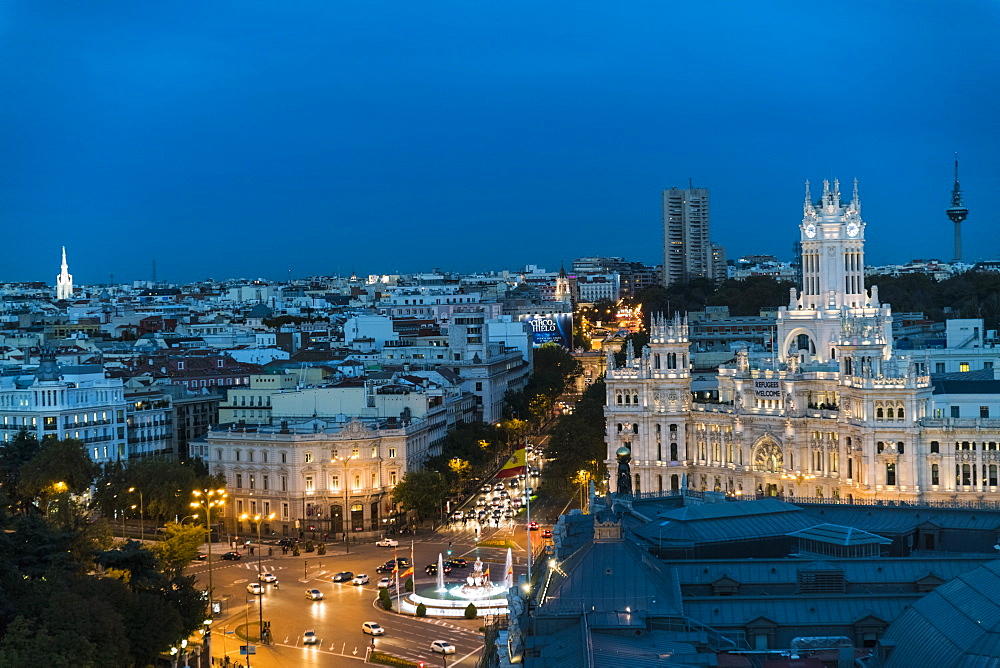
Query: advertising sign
[(767, 388), (550, 328)]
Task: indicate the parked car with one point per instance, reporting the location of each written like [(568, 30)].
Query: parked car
[(387, 542), (314, 594), (458, 563), (442, 646), (385, 568), (384, 583), (344, 576), (232, 556), (310, 638), (360, 579), (255, 588), (267, 577), (372, 628)]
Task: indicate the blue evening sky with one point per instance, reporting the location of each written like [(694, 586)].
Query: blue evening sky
[(267, 139)]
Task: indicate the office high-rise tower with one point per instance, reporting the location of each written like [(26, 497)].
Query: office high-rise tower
[(687, 248)]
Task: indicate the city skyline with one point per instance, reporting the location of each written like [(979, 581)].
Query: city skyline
[(320, 140)]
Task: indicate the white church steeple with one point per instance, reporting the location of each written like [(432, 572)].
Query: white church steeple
[(64, 281)]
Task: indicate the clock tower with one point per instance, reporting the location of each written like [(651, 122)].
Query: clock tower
[(833, 279)]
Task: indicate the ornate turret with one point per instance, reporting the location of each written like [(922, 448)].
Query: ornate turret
[(48, 367)]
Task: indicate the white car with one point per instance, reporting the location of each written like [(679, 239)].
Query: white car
[(442, 646), (384, 583), (255, 588), (310, 638), (372, 628), (314, 594), (387, 542), (360, 579), (267, 577)]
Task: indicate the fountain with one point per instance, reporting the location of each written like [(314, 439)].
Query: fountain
[(451, 601)]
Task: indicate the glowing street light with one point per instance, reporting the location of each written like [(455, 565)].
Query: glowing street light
[(208, 499), (257, 519)]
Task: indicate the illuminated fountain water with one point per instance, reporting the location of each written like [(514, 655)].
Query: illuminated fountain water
[(452, 600)]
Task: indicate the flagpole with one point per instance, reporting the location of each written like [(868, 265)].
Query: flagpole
[(527, 478), (395, 567)]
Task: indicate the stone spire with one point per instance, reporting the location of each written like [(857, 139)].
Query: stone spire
[(807, 207), (64, 281)]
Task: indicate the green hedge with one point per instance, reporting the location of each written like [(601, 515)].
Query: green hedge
[(390, 660)]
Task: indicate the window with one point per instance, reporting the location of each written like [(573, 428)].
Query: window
[(935, 474), (955, 412), (357, 481), (284, 483), (374, 452), (392, 478), (267, 507), (984, 411), (253, 507), (309, 458), (218, 454), (335, 482), (263, 456), (309, 484), (239, 506), (252, 481), (355, 452), (284, 511), (939, 367), (880, 446), (935, 447), (237, 455), (479, 387), (392, 453), (239, 480), (899, 447), (374, 480), (250, 455), (890, 474), (264, 482), (993, 475), (963, 366), (284, 458)]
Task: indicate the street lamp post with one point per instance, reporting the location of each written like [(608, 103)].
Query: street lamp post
[(208, 499), (346, 462), (142, 521), (257, 519)]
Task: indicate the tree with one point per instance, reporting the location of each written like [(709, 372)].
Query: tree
[(577, 442), (178, 547), (422, 492), (15, 454), (58, 469)]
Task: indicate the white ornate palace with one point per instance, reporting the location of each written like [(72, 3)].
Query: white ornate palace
[(835, 414)]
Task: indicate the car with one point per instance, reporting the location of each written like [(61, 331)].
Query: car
[(232, 556), (372, 628), (458, 563), (201, 557), (343, 576), (442, 646), (432, 569), (287, 542), (360, 579), (314, 594), (255, 588), (384, 583), (267, 577), (403, 562), (508, 515), (487, 487), (385, 568), (310, 638), (547, 533), (387, 542), (533, 526)]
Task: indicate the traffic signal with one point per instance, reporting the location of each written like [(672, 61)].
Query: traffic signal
[(449, 548)]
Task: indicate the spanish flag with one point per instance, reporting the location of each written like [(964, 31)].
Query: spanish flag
[(407, 573), (516, 465)]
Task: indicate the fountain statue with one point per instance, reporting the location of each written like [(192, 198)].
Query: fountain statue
[(440, 573)]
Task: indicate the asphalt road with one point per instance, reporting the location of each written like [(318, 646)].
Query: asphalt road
[(337, 619)]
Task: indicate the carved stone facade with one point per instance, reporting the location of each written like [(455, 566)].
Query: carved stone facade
[(837, 414)]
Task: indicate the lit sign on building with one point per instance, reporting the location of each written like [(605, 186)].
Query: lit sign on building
[(767, 389), (550, 328)]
